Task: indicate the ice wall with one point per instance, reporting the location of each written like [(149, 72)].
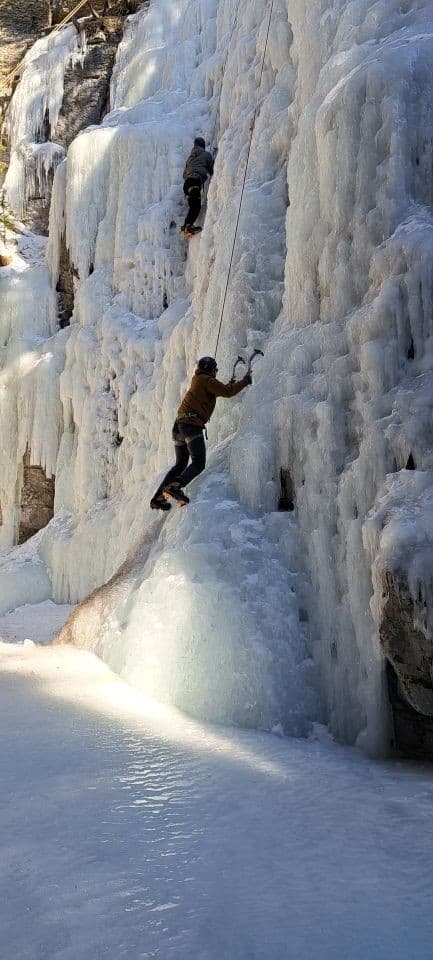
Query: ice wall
[(32, 355), (34, 112), (336, 287), (140, 311), (31, 359)]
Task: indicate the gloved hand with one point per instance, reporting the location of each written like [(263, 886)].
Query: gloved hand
[(248, 379)]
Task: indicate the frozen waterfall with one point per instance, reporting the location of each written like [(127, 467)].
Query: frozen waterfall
[(236, 611)]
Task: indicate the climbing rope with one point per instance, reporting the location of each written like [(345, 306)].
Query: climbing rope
[(252, 125), (16, 70)]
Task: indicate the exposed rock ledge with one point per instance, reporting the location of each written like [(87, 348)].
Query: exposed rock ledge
[(407, 642)]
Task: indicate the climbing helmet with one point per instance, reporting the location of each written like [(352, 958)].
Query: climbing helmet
[(208, 365)]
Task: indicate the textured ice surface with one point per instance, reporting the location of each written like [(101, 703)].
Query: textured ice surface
[(34, 110), (133, 832), (23, 573), (31, 359), (214, 630), (337, 287)]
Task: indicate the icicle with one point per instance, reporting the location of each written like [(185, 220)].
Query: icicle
[(35, 107)]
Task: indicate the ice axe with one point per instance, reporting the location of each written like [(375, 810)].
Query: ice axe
[(249, 362), (255, 353), (237, 361)]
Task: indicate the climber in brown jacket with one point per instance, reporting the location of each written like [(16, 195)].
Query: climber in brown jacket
[(194, 412)]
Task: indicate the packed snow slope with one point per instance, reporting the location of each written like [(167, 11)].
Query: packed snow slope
[(335, 286)]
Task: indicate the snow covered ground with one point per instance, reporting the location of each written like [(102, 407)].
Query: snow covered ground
[(129, 831), (34, 622)]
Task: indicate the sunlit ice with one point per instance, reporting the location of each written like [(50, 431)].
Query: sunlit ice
[(80, 678)]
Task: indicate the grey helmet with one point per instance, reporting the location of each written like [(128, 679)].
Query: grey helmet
[(208, 365)]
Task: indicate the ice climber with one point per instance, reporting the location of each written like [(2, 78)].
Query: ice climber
[(197, 169), (194, 412)]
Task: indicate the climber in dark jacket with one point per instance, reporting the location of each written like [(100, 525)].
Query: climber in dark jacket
[(194, 412), (197, 169)]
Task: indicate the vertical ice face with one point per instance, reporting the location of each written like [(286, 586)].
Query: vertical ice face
[(335, 286), (34, 111), (136, 293), (30, 365), (352, 396), (31, 356), (234, 647)]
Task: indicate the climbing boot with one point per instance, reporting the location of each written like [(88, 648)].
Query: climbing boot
[(159, 503), (174, 490), (189, 232)]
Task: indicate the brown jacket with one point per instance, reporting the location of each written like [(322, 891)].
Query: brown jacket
[(202, 395)]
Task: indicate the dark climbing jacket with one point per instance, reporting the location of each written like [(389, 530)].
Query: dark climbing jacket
[(199, 402), (199, 163)]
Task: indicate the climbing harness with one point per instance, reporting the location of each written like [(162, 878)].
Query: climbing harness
[(195, 416), (16, 70), (252, 125)]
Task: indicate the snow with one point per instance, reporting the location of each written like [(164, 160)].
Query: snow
[(34, 623), (135, 832), (23, 571), (334, 285)]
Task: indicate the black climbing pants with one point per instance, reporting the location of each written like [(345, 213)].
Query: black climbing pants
[(188, 443), (192, 190)]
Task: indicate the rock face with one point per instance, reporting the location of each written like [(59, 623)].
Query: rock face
[(85, 100), (20, 25), (27, 18), (65, 286), (407, 643), (37, 500), (86, 87)]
